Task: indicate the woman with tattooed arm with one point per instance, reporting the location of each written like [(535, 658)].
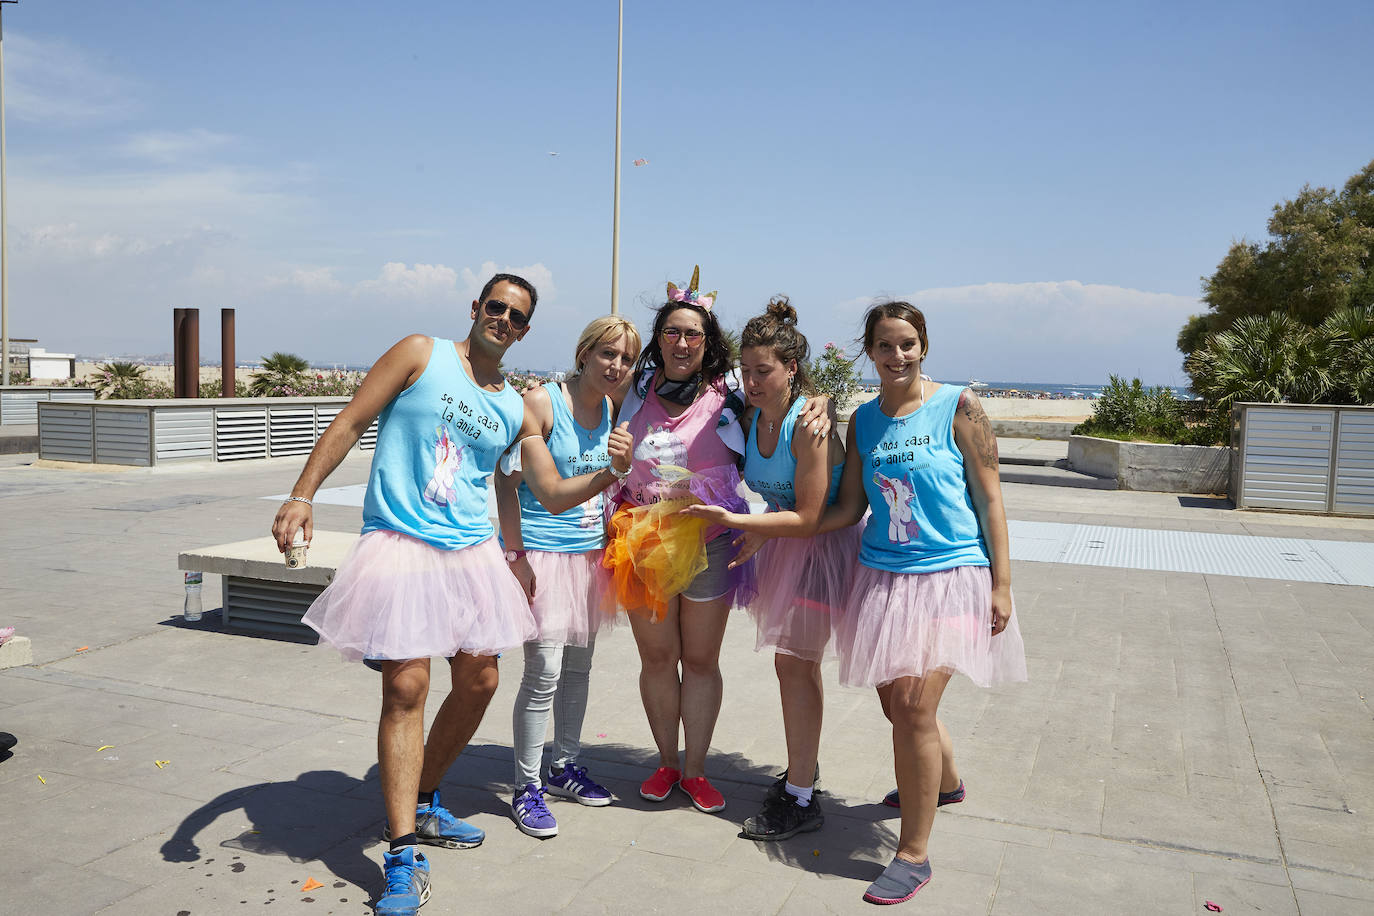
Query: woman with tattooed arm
[(932, 591)]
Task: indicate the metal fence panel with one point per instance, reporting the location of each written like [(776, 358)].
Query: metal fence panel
[(1287, 458), (1354, 476), (121, 436), (240, 433), (64, 433), (183, 432), (291, 430)]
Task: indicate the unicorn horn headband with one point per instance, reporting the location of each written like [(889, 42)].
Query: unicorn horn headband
[(690, 294)]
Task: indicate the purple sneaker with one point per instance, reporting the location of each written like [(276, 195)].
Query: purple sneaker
[(531, 814), (573, 782)]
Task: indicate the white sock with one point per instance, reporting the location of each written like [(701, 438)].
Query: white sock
[(803, 796)]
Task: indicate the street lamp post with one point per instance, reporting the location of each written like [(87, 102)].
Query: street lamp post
[(615, 218), (4, 217)]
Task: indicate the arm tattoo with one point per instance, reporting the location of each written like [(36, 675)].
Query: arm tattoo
[(984, 440)]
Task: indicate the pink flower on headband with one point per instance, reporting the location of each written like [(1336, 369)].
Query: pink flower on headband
[(691, 296)]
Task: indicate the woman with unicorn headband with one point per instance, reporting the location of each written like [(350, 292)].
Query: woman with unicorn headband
[(554, 548), (932, 592), (672, 572), (808, 574)]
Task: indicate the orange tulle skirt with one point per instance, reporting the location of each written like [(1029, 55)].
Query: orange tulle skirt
[(653, 554)]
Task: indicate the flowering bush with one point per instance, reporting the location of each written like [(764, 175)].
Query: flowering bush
[(835, 374), (317, 385), (522, 380)]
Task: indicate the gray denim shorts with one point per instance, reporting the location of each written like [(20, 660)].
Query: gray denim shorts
[(716, 580)]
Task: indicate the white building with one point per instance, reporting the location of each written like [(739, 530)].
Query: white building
[(51, 366)]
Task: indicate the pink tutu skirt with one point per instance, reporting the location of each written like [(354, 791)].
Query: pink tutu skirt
[(395, 597), (572, 598), (905, 624), (806, 584)]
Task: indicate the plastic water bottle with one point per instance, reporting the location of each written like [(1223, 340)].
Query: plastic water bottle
[(191, 612)]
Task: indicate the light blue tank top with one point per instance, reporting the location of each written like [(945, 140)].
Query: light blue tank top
[(772, 477), (923, 516), (437, 443), (575, 451)]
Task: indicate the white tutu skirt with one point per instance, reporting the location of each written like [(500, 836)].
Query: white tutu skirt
[(572, 596), (804, 584), (395, 597), (905, 624)]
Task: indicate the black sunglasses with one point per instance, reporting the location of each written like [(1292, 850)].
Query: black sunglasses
[(495, 308)]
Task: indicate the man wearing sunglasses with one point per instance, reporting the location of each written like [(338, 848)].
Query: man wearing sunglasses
[(426, 578)]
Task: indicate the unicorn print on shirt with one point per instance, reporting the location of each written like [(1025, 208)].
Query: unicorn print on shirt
[(448, 457), (897, 493), (666, 454)]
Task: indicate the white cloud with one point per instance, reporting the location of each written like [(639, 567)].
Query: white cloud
[(50, 80), (310, 280), (1048, 331), (421, 283), (171, 146), (538, 275)]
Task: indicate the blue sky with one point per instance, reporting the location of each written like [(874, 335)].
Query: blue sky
[(1047, 181)]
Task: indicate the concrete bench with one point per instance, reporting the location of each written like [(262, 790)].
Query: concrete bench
[(259, 592)]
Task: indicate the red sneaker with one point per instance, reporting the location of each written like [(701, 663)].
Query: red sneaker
[(657, 786), (703, 795)]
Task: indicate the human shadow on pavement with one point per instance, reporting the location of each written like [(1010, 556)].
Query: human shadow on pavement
[(319, 815)]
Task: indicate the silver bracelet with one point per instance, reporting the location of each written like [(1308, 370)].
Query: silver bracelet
[(618, 474), (299, 499)]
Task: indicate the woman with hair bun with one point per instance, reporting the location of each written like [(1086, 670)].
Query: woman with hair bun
[(807, 574), (932, 591)]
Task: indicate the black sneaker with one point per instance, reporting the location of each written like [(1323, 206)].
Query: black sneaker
[(782, 818)]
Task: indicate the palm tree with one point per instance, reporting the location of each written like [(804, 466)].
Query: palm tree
[(120, 379), (1268, 358), (279, 370), (1349, 337)]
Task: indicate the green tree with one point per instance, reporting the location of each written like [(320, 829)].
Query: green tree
[(1271, 358), (1318, 260), (835, 374), (1348, 336), (279, 370)]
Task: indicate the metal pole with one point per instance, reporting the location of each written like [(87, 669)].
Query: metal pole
[(226, 353), (615, 220), (4, 218)]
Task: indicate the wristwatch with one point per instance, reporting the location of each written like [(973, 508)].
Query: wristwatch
[(513, 555), (619, 475)]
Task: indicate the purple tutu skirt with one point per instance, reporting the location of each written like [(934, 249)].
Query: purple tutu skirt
[(806, 586), (395, 597), (905, 624), (572, 596)]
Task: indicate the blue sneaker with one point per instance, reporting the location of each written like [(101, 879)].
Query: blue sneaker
[(407, 882), (573, 782), (437, 826), (531, 814)]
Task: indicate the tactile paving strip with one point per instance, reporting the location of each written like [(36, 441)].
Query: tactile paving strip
[(1292, 559)]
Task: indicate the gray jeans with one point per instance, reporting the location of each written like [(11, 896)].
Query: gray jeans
[(556, 677)]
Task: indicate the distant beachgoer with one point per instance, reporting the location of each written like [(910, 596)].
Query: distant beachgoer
[(932, 592), (672, 572), (554, 546), (427, 578), (808, 575)]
